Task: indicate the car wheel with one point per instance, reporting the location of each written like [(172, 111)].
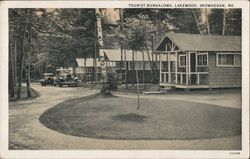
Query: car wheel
[(60, 85)]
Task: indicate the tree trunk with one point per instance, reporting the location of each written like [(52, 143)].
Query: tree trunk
[(151, 67), (22, 55), (20, 71), (197, 22), (11, 72), (224, 22), (28, 80), (121, 25), (207, 22), (121, 64), (138, 86), (126, 69), (15, 65), (96, 69), (143, 69), (28, 66)]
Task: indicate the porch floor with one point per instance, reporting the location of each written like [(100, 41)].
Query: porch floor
[(184, 86)]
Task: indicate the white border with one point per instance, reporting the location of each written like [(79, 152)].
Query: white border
[(5, 153)]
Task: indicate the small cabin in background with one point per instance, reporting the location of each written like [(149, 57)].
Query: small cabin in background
[(200, 61), (133, 61), (85, 69)]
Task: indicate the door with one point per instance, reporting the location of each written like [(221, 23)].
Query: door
[(193, 68)]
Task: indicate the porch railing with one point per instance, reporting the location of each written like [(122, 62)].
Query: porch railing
[(184, 77)]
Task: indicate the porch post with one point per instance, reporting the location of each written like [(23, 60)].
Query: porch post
[(160, 66), (169, 71), (187, 67), (176, 76)]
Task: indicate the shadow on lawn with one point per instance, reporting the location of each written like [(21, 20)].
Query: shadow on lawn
[(131, 117)]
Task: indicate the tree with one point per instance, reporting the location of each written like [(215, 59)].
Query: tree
[(18, 25)]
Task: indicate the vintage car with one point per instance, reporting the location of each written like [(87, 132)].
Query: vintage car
[(47, 78), (65, 77)]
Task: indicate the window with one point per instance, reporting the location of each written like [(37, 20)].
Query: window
[(131, 65), (147, 66), (164, 66), (119, 64), (202, 59), (228, 59), (89, 70), (139, 65), (182, 60)]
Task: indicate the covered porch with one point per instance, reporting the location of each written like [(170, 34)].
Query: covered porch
[(180, 68), (175, 71)]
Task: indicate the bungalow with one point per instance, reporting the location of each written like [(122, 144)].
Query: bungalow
[(133, 61), (85, 68), (200, 61)]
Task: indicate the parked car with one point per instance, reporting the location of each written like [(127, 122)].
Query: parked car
[(65, 77), (47, 78)]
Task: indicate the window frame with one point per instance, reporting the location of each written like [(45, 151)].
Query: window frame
[(185, 60), (139, 65), (201, 54), (228, 53), (131, 63)]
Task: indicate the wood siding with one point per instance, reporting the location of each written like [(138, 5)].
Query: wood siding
[(223, 76)]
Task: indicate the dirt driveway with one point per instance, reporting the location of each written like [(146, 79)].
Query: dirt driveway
[(26, 132)]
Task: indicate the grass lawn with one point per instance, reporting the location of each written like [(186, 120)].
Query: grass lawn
[(117, 118)]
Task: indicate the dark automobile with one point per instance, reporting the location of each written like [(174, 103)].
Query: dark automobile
[(65, 77), (47, 78)]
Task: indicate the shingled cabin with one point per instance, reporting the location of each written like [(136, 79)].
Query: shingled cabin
[(200, 61), (85, 69), (133, 61)]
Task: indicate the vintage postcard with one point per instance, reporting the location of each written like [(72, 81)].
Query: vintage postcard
[(124, 79)]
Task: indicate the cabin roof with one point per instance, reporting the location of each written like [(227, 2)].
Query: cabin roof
[(89, 62), (196, 42), (115, 55)]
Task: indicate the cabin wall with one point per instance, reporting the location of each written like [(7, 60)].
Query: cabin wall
[(88, 75), (223, 76), (131, 76)]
